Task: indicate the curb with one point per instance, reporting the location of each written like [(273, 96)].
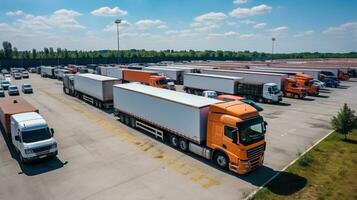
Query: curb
[(250, 196)]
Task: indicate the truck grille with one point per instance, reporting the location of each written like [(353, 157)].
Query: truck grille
[(251, 153), (41, 149)]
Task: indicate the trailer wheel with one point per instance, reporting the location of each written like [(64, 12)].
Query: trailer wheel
[(221, 160), (121, 117), (126, 118), (174, 141), (132, 122), (183, 144)]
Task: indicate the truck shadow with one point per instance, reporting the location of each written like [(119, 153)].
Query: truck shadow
[(307, 99), (323, 96), (42, 166), (325, 91), (284, 184), (343, 87), (282, 104)]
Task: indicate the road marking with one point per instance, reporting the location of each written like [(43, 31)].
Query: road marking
[(251, 195), (147, 146)]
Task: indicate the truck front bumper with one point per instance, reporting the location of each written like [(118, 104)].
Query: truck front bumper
[(40, 156)]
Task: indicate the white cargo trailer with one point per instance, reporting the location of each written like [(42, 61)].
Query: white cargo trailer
[(96, 89), (186, 69), (114, 72), (174, 74), (314, 73), (218, 83), (48, 71), (181, 113), (278, 79)]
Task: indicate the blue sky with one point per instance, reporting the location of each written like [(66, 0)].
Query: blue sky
[(299, 25)]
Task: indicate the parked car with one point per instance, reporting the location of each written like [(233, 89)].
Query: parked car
[(13, 90), (26, 88), (5, 84), (319, 83), (8, 77), (2, 92), (25, 74), (250, 102), (17, 75), (32, 70)]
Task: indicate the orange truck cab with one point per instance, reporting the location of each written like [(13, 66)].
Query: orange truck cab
[(343, 76), (305, 80), (145, 77), (235, 133), (293, 89)]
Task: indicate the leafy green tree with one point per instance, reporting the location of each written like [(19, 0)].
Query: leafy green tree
[(345, 121), (7, 49)]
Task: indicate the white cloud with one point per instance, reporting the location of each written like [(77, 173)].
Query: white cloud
[(248, 36), (14, 13), (208, 21), (107, 11), (240, 1), (259, 25), (248, 21), (163, 26), (148, 23), (181, 33), (226, 34), (211, 16), (248, 12), (62, 19), (346, 28), (278, 30), (112, 27), (305, 33)]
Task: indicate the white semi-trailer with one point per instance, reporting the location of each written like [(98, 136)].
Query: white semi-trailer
[(92, 88), (114, 72), (278, 79), (229, 133), (48, 71), (174, 74), (195, 83), (314, 73)]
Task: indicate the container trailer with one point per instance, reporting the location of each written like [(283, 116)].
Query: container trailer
[(263, 92), (231, 134), (174, 74), (92, 88), (27, 130), (288, 86)]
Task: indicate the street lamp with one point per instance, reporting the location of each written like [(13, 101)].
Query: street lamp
[(118, 21), (272, 48)]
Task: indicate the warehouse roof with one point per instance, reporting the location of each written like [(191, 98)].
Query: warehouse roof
[(97, 77), (178, 97)]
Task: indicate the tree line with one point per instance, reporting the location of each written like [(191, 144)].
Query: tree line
[(137, 56)]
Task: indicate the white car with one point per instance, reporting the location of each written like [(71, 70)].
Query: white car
[(8, 77), (319, 83)]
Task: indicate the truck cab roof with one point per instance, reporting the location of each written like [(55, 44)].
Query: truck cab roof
[(29, 120), (235, 108)]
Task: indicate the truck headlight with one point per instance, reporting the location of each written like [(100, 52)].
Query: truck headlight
[(28, 151), (54, 146)]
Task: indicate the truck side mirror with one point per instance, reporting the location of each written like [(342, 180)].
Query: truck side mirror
[(52, 131), (17, 138), (265, 126)]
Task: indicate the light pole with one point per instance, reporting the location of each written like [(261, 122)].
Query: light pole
[(272, 48), (118, 21)]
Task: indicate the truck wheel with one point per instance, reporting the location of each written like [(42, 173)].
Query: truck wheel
[(126, 118), (183, 144), (296, 96), (121, 117), (132, 122), (174, 141), (22, 160), (221, 160)]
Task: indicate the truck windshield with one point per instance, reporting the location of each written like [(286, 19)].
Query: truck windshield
[(251, 131), (161, 82), (275, 89), (36, 135)]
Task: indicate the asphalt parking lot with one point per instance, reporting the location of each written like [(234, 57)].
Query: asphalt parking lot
[(99, 158)]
